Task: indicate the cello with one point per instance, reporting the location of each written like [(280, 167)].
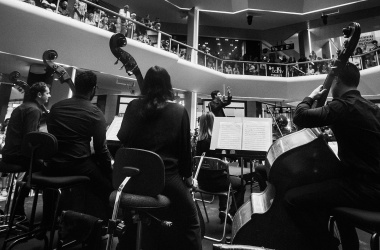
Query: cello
[(293, 160)]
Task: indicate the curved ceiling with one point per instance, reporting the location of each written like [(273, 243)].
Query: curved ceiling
[(268, 14)]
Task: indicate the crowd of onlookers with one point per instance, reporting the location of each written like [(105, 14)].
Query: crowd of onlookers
[(145, 31), (91, 15), (313, 65)]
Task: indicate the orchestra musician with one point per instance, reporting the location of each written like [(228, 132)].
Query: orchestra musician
[(24, 119), (217, 181), (156, 123), (218, 103), (356, 126), (75, 122)]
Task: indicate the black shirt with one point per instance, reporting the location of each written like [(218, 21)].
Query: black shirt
[(216, 106), (356, 126), (168, 135), (24, 119), (75, 122)]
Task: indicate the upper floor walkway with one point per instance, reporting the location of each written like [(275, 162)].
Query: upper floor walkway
[(29, 31)]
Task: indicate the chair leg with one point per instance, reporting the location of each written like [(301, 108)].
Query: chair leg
[(225, 219), (52, 229), (6, 211), (139, 234), (112, 223), (374, 242), (204, 207)]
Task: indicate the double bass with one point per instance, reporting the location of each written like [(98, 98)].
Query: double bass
[(294, 160)]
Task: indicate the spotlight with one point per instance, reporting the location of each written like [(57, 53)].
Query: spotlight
[(249, 19), (324, 18)]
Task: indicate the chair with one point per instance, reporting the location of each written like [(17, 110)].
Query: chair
[(213, 164), (139, 178), (13, 170), (368, 221), (40, 145)]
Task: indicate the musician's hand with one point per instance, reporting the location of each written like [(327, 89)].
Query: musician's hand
[(195, 183), (316, 94)]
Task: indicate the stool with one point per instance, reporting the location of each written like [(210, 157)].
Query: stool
[(368, 221), (13, 170), (40, 145), (139, 177)]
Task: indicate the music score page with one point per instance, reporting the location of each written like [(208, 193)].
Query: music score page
[(242, 133), (113, 129)]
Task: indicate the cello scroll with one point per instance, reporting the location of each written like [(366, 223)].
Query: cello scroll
[(352, 33), (48, 57), (129, 63)]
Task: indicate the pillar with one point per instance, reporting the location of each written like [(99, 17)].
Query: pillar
[(303, 40), (193, 33), (191, 107)]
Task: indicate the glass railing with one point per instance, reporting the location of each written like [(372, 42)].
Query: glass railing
[(151, 34)]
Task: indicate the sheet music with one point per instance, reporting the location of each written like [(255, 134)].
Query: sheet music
[(256, 136), (113, 129), (230, 135), (242, 133)]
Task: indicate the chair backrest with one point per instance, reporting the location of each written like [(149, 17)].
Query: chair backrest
[(151, 179), (210, 163), (39, 145)]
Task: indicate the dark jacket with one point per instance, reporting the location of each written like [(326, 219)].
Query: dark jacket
[(216, 106)]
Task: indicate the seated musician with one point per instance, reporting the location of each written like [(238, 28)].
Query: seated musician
[(74, 122), (156, 123), (24, 119), (356, 126), (216, 181)]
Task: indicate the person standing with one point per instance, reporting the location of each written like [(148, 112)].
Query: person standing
[(156, 123), (355, 122), (218, 103), (24, 119)]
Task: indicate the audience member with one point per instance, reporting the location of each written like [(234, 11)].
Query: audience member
[(104, 23), (62, 9), (80, 9), (90, 19), (124, 22)]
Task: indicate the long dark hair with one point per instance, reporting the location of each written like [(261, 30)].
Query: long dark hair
[(157, 89)]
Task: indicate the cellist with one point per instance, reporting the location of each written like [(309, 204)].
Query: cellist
[(355, 122)]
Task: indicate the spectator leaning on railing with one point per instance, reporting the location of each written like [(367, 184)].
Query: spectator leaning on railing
[(62, 9)]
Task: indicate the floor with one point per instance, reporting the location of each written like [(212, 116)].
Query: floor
[(213, 228)]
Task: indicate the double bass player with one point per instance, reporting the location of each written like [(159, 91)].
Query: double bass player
[(355, 122)]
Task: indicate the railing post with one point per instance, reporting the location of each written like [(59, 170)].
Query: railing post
[(158, 39), (243, 69)]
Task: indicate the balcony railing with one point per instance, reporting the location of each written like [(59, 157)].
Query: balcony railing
[(152, 35)]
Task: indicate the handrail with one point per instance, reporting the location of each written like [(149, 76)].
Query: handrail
[(367, 59), (123, 17)]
